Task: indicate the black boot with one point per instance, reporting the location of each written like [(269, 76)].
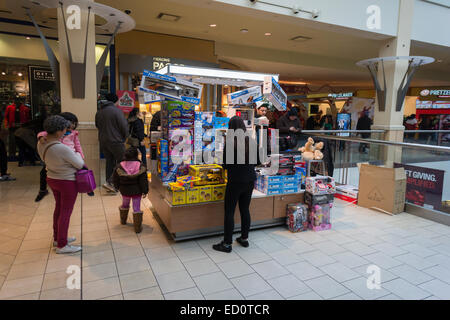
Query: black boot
[(137, 221), (242, 242), (41, 195)]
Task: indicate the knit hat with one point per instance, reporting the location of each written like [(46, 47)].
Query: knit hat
[(111, 97)]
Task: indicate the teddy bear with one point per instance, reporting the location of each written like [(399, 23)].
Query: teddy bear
[(311, 150)]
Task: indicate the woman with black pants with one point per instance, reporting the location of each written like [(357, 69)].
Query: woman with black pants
[(136, 126), (241, 181)]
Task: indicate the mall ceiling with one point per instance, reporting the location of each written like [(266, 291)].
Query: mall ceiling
[(328, 57)]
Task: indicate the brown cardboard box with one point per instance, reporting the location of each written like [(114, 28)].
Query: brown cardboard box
[(382, 189)]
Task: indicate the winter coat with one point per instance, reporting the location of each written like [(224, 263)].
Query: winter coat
[(130, 177), (284, 123), (136, 126), (111, 124), (10, 115)]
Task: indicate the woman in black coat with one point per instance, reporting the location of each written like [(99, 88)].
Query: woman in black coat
[(136, 127), (239, 189)]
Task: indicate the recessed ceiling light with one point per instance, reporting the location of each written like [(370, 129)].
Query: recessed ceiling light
[(244, 30), (439, 60), (28, 38), (19, 74), (3, 73), (267, 34), (213, 25), (168, 17)]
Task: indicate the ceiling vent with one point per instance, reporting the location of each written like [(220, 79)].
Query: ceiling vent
[(301, 38), (168, 17)]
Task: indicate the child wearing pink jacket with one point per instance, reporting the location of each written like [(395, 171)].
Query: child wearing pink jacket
[(71, 140)]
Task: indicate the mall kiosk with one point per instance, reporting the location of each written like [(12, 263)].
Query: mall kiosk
[(189, 201)]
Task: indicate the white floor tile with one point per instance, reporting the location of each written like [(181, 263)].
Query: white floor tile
[(317, 258), (201, 267), (231, 294), (307, 296), (438, 288), (153, 293), (439, 272), (359, 248), (383, 261), (166, 266), (185, 294), (389, 249), (237, 268), (405, 290), (339, 272), (348, 296), (289, 286), (415, 261), (269, 269), (212, 283), (329, 247), (384, 274), (305, 271), (285, 257), (419, 250), (250, 284), (350, 259), (411, 274), (175, 281), (360, 287), (268, 295), (326, 287)]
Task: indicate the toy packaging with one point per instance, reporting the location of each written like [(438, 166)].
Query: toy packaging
[(297, 217), (313, 199), (205, 194), (192, 196), (320, 217), (218, 192), (208, 174), (178, 197), (221, 122), (320, 185), (274, 93)]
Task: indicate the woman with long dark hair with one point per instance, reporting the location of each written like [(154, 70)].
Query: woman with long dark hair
[(241, 180)]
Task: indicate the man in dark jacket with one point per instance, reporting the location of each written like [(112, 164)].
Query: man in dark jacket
[(364, 123), (112, 133), (289, 126)]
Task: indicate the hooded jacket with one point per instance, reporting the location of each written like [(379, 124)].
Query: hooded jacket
[(111, 124), (284, 123), (130, 177)]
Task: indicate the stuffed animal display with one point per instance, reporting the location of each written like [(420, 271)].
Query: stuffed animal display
[(311, 150)]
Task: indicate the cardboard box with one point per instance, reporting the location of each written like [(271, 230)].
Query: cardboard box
[(218, 192), (178, 197), (382, 189)]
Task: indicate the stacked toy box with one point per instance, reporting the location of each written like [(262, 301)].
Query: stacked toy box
[(300, 169), (177, 125), (319, 197), (273, 185), (297, 217), (204, 133)]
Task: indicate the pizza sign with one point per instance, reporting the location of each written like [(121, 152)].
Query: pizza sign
[(126, 100)]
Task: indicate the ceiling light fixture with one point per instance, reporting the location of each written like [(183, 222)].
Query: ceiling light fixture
[(244, 30), (3, 73), (20, 74), (168, 17), (213, 25), (267, 34), (28, 38), (300, 38)]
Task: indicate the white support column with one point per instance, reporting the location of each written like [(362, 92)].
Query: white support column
[(391, 120)]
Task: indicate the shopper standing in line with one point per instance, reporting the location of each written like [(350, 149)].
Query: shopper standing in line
[(62, 164), (239, 189), (137, 131), (4, 175), (112, 132), (130, 178)]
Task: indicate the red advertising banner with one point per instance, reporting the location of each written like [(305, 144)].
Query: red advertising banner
[(424, 186), (126, 100)]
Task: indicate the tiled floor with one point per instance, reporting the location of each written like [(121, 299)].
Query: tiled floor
[(412, 254)]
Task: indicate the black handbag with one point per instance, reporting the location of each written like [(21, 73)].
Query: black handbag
[(132, 141)]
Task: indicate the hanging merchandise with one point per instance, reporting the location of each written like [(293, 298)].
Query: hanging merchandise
[(274, 93), (245, 97), (171, 87)]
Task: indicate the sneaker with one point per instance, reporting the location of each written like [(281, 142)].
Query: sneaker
[(91, 194), (68, 249), (109, 187), (69, 240), (7, 177), (41, 195), (223, 247), (242, 242)]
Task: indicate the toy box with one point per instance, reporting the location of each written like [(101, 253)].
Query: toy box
[(292, 178), (273, 178), (178, 197), (320, 217), (297, 217), (290, 190), (205, 194), (290, 184), (313, 199), (301, 174), (208, 173), (273, 192), (347, 193), (218, 192), (192, 196), (320, 185)]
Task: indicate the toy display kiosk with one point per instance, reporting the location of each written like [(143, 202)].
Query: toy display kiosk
[(193, 205)]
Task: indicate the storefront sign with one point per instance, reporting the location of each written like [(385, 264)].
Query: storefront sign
[(428, 104), (126, 100), (159, 63), (424, 186), (171, 87), (439, 93), (339, 96), (42, 74), (274, 93)]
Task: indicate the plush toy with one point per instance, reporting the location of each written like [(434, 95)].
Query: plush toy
[(312, 151)]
